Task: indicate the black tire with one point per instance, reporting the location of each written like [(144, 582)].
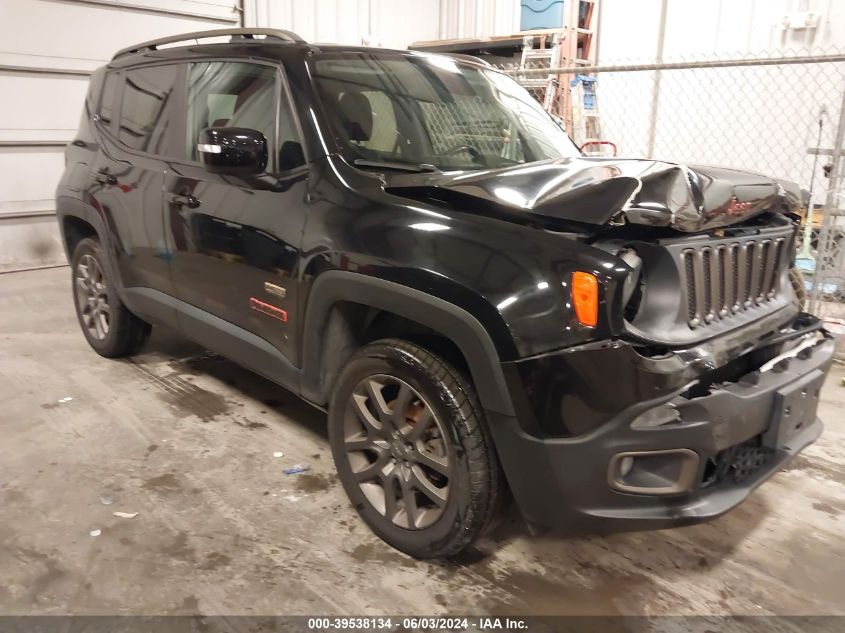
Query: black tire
[(124, 333), (474, 478)]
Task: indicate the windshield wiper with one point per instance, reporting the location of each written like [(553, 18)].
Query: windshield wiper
[(416, 168)]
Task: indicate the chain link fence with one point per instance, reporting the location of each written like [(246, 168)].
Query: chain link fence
[(780, 114)]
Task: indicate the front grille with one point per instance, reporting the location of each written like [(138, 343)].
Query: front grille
[(728, 279), (734, 275), (725, 282), (707, 269), (689, 271)]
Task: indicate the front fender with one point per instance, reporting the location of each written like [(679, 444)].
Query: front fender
[(453, 322)]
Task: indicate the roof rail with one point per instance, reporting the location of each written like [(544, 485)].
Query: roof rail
[(469, 58), (278, 34)]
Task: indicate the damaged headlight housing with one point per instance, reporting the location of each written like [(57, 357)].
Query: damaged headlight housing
[(631, 289)]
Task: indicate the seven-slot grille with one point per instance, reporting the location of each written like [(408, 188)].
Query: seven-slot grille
[(729, 278)]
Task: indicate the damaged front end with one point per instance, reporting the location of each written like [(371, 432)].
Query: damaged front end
[(709, 249), (638, 438), (707, 377), (595, 191), (687, 288), (695, 199), (711, 378)]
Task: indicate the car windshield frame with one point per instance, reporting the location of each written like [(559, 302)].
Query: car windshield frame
[(417, 102)]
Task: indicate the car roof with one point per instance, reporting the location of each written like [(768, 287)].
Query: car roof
[(243, 42)]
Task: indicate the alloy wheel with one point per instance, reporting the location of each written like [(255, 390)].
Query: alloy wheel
[(398, 451), (92, 296)]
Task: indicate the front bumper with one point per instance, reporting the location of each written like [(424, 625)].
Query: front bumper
[(566, 482)]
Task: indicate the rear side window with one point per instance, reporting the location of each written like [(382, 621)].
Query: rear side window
[(108, 98), (145, 115)]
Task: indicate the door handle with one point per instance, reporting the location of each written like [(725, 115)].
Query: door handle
[(105, 178), (184, 201)]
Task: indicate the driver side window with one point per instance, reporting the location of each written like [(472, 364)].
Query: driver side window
[(231, 94)]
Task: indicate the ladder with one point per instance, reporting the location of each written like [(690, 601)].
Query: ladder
[(541, 58), (584, 109), (572, 45), (580, 50)]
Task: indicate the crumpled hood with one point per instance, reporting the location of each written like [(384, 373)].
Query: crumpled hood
[(599, 190)]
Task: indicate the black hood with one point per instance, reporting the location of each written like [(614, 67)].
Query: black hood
[(597, 191)]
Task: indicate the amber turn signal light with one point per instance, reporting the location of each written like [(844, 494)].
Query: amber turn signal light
[(585, 296)]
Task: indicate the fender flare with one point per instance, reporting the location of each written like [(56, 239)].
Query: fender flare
[(67, 206), (453, 322)]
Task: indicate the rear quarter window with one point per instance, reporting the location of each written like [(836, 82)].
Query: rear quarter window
[(107, 100)]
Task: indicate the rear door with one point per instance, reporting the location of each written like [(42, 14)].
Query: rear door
[(136, 118), (235, 242)]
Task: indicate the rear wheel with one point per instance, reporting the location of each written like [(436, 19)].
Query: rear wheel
[(110, 329), (411, 449)]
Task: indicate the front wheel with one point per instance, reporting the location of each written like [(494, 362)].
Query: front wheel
[(411, 449)]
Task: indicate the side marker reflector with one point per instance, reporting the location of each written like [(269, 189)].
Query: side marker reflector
[(585, 297)]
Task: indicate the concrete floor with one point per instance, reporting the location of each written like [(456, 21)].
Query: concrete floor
[(187, 440)]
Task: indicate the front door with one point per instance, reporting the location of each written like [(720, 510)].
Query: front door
[(235, 242)]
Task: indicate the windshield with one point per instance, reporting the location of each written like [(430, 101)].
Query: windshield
[(423, 109)]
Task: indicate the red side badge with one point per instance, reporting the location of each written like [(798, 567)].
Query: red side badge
[(269, 310)]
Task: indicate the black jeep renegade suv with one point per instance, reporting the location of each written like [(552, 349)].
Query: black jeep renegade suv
[(410, 242)]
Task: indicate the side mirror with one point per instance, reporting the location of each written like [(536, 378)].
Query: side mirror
[(233, 151)]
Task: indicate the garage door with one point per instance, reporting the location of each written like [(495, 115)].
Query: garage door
[(49, 47)]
